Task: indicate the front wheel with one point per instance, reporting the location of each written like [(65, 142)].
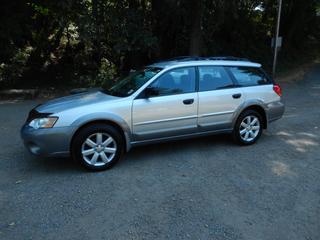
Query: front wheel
[(248, 127), (97, 147)]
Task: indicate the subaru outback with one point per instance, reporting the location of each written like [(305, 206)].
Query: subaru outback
[(169, 100)]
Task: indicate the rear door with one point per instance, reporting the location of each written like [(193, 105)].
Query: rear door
[(171, 111), (218, 98)]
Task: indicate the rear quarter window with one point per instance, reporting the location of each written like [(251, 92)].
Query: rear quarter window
[(249, 76)]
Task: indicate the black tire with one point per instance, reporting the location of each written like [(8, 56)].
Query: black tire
[(236, 130), (107, 130)]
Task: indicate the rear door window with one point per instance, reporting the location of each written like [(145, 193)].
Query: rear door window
[(213, 78), (249, 76)]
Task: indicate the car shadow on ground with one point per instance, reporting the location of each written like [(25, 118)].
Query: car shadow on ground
[(179, 148), (137, 155), (53, 165), (296, 143), (279, 151)]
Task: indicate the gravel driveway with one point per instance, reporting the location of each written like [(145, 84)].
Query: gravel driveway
[(206, 188)]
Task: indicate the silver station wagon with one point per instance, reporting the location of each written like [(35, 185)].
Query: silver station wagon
[(179, 98)]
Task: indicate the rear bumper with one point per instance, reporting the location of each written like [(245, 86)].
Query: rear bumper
[(275, 110), (53, 142)]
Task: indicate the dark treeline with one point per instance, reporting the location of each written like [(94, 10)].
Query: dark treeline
[(88, 42)]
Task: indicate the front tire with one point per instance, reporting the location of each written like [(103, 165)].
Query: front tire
[(97, 147), (248, 127)]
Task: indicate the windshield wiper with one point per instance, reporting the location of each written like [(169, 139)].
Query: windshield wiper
[(105, 91), (113, 93)]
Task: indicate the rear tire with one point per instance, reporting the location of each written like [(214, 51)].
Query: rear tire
[(248, 128), (97, 147)]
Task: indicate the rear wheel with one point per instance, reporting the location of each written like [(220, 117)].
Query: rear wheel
[(248, 127), (97, 147)]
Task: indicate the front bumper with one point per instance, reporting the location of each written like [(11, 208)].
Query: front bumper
[(49, 142)]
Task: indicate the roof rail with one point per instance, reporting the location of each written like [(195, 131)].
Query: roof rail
[(186, 58), (197, 58), (228, 58)]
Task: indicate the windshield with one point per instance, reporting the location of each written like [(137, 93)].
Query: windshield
[(131, 83)]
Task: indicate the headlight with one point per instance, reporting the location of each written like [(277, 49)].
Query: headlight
[(47, 122)]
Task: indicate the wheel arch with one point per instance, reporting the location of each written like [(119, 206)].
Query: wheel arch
[(124, 133), (256, 107)]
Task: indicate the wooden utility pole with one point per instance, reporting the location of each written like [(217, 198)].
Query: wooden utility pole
[(275, 43)]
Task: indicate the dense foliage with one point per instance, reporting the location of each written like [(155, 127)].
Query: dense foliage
[(88, 42)]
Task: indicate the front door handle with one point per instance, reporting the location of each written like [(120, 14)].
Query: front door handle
[(237, 95), (188, 101)]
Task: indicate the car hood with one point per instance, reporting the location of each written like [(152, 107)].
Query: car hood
[(74, 101)]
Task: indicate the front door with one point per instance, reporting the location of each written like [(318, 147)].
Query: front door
[(171, 109)]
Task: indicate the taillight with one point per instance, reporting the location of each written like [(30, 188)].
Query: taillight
[(277, 89)]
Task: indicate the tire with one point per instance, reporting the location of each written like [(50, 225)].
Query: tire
[(97, 147), (247, 134)]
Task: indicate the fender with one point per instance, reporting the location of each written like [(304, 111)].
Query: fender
[(105, 116), (246, 104)]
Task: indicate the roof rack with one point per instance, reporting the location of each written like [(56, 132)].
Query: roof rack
[(187, 58), (228, 58), (197, 58)]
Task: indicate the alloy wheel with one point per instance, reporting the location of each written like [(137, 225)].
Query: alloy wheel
[(99, 149), (249, 128)]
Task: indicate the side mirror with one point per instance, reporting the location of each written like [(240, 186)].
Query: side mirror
[(151, 92)]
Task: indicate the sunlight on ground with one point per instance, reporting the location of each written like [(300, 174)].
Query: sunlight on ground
[(287, 115), (302, 144), (9, 101), (311, 135), (281, 169), (301, 141), (282, 133)]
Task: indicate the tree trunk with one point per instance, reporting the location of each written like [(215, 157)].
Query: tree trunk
[(195, 34), (96, 40)]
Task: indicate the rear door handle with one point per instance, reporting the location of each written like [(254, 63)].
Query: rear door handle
[(237, 95), (188, 101)]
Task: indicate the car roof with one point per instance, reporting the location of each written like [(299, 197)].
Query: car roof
[(204, 62)]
